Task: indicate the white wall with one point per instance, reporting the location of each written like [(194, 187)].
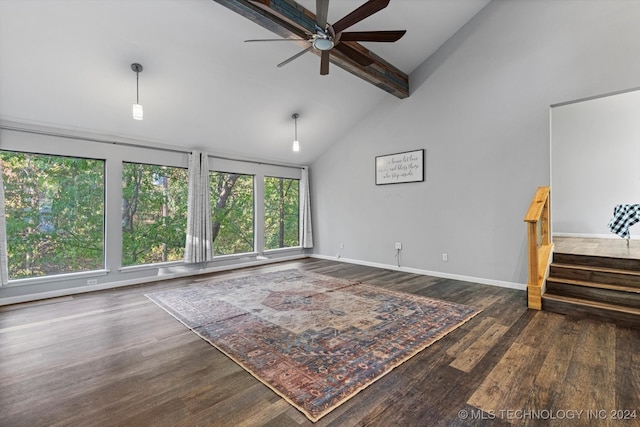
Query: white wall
[(595, 152), (480, 108)]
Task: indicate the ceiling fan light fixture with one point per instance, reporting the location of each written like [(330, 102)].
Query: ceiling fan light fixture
[(138, 114), (296, 144), (322, 44)]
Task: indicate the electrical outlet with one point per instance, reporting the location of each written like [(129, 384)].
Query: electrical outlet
[(92, 282), (398, 246), (341, 245), (445, 257)]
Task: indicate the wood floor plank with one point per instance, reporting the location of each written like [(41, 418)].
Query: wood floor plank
[(493, 392), (553, 372), (469, 358), (472, 330), (591, 372), (628, 369), (509, 386)]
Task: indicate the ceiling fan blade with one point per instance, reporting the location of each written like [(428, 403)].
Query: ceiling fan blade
[(364, 11), (274, 40), (372, 36), (357, 56), (324, 63), (297, 55), (322, 9)]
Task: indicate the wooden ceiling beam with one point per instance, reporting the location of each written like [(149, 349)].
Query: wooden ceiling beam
[(290, 20)]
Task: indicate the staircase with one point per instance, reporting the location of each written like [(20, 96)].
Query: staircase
[(591, 286)]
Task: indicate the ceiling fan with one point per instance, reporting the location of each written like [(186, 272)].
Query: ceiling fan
[(327, 37)]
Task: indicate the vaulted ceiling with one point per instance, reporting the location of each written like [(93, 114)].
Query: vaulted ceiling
[(67, 64)]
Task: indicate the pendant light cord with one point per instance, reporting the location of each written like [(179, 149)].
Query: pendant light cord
[(137, 68)]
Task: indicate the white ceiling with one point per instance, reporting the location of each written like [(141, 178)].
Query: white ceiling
[(66, 63)]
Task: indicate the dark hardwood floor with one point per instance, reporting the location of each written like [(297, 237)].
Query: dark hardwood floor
[(114, 358)]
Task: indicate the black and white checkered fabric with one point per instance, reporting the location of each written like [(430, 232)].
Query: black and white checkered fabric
[(624, 216)]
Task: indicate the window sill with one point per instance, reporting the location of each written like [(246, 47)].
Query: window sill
[(281, 250), (56, 278)]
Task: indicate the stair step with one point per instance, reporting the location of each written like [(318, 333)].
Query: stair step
[(613, 276), (613, 270), (604, 287), (627, 316), (630, 264), (593, 304), (589, 284), (593, 291)]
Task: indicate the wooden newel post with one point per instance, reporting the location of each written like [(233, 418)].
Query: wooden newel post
[(534, 291), (539, 246)]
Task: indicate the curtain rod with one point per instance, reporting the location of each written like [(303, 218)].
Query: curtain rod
[(129, 144), (81, 138), (213, 156)]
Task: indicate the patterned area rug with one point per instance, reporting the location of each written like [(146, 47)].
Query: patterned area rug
[(313, 339)]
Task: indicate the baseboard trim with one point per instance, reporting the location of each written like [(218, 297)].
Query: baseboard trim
[(112, 285), (482, 281)]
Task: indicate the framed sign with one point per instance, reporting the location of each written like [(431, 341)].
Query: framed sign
[(400, 167)]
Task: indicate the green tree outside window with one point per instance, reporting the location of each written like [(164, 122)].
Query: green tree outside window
[(232, 210), (54, 209), (154, 213), (281, 218)]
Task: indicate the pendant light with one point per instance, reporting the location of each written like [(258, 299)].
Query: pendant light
[(137, 108), (296, 143)]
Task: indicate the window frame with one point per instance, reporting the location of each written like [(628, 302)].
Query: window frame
[(253, 219), (284, 248), (150, 265), (69, 274), (50, 141)]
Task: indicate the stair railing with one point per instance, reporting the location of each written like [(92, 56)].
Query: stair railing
[(539, 246)]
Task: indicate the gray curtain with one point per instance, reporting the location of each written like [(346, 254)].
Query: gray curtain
[(199, 246), (4, 267), (306, 233)]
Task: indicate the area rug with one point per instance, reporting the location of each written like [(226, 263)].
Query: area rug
[(313, 339)]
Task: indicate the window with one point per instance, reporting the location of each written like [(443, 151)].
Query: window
[(281, 212), (54, 213), (232, 212), (154, 213)]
